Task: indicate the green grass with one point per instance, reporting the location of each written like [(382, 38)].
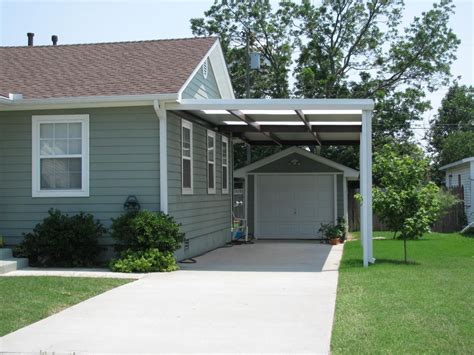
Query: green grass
[(27, 299), (425, 307)]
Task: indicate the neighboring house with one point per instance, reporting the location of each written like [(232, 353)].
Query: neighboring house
[(295, 192), (92, 158), (461, 173)]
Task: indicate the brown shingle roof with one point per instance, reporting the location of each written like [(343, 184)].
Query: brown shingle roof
[(103, 69)]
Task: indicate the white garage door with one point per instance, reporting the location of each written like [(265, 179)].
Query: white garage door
[(293, 206)]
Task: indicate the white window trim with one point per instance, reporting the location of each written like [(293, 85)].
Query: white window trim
[(225, 140), (213, 135), (36, 174), (187, 190)]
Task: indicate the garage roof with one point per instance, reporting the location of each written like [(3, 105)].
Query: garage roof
[(280, 121)]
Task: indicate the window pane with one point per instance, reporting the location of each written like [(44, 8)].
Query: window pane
[(210, 176), (75, 165), (74, 146), (186, 173), (46, 147), (224, 153), (47, 181), (46, 130), (60, 130), (75, 180), (60, 146), (75, 130), (61, 173), (224, 177)]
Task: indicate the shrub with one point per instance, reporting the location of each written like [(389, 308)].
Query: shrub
[(146, 242), (63, 241), (145, 230), (144, 261)]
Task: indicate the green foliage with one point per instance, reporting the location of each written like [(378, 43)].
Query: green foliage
[(347, 49), (457, 146), (403, 199), (150, 260), (63, 241), (146, 241), (144, 230), (333, 231)]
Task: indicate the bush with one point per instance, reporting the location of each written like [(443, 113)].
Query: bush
[(139, 231), (144, 261), (146, 242), (63, 241)]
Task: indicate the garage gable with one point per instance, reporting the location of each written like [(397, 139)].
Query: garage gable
[(296, 160), (295, 163)]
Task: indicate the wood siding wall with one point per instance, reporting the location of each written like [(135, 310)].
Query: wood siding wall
[(202, 88), (205, 218), (124, 160)]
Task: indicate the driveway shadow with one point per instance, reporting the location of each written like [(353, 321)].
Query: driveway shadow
[(265, 256)]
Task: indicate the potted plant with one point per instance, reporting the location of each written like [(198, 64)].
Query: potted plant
[(341, 224), (331, 232)]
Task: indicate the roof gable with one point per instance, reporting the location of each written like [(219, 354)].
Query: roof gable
[(103, 69), (307, 162)]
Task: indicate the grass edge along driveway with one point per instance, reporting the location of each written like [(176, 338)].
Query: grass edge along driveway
[(28, 299), (393, 308)]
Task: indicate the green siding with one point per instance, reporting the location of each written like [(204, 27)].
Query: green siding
[(205, 218), (124, 160), (202, 88), (305, 165), (340, 196)]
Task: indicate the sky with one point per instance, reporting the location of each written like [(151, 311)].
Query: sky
[(82, 21)]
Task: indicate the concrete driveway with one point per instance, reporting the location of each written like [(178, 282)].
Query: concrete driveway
[(270, 297)]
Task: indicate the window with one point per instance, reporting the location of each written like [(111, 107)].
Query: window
[(450, 181), (211, 162), (225, 165), (60, 162), (187, 157), (459, 180)]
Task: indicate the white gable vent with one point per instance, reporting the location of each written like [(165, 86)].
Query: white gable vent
[(205, 68)]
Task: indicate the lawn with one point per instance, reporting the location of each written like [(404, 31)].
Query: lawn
[(393, 308), (27, 299)]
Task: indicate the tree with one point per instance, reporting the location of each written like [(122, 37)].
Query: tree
[(457, 146), (403, 198), (452, 129), (347, 49)]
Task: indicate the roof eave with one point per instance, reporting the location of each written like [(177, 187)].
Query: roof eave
[(456, 163), (84, 101)]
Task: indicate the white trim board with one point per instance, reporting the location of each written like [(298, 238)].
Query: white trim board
[(348, 172), (456, 163)]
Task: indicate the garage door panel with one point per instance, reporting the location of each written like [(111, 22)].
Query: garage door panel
[(293, 206)]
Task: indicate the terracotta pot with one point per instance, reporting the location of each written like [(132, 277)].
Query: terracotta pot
[(334, 241)]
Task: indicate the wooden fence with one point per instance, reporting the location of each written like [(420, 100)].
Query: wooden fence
[(452, 220)]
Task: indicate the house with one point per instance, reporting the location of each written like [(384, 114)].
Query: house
[(461, 173), (88, 127), (291, 193)]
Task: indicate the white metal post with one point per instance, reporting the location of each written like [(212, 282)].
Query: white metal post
[(162, 117), (366, 187)]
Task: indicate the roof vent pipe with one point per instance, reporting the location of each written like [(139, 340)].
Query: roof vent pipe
[(30, 38), (54, 38)]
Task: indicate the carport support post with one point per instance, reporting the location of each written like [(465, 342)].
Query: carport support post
[(366, 187)]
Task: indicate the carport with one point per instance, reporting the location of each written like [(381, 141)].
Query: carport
[(294, 122)]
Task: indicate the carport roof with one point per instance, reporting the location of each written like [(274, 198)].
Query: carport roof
[(280, 121)]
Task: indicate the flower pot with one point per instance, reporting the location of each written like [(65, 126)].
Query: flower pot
[(334, 241)]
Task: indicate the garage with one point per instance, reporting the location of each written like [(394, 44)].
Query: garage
[(289, 194)]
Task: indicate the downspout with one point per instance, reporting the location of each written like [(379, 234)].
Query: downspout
[(161, 114)]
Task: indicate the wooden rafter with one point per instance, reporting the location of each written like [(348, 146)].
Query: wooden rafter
[(307, 124), (251, 122)]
